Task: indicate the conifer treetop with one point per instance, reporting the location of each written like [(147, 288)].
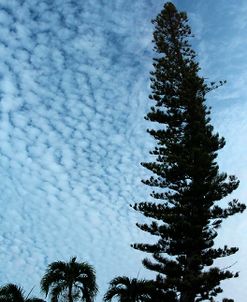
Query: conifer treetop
[(185, 214)]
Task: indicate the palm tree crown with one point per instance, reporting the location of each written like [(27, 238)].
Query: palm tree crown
[(14, 293), (71, 281), (128, 290)]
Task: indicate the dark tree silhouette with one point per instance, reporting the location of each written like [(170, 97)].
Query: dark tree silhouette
[(128, 290), (14, 293), (186, 215), (70, 281)]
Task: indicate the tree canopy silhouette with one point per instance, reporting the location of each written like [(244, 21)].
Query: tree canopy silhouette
[(14, 293), (128, 290), (72, 281), (185, 214)]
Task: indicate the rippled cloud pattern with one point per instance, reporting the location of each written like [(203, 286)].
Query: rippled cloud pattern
[(74, 81), (72, 100)]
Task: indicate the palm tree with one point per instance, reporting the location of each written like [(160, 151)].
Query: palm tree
[(14, 293), (71, 281), (129, 290)]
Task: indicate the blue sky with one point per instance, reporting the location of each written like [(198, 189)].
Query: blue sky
[(74, 85)]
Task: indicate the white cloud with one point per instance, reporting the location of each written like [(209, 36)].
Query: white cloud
[(71, 114)]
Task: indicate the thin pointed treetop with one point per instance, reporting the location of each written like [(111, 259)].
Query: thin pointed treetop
[(186, 179)]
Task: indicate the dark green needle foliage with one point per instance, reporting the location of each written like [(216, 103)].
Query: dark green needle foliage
[(70, 281), (14, 293), (185, 215)]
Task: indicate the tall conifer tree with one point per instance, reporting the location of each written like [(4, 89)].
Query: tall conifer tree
[(185, 215)]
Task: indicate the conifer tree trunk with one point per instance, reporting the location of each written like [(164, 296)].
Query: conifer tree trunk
[(70, 293), (185, 214)]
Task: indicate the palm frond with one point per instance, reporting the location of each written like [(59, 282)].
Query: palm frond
[(114, 292), (121, 280), (60, 275), (50, 278), (56, 291), (12, 292), (127, 289), (88, 282), (57, 266)]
